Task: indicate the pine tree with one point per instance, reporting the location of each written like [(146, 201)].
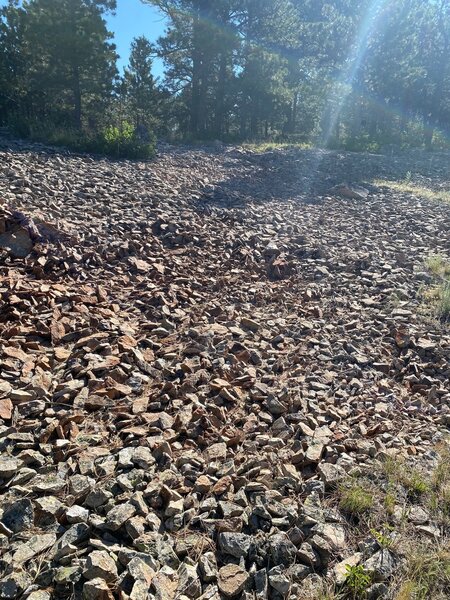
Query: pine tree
[(74, 62), (14, 60), (140, 90)]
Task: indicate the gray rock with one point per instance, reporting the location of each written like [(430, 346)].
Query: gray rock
[(333, 533), (12, 586), (331, 474), (381, 565), (34, 546), (142, 457), (77, 514), (307, 555), (72, 537), (418, 515), (97, 497), (19, 515), (208, 567), (261, 584), (80, 485), (48, 484), (8, 466), (39, 595), (188, 581), (65, 576), (119, 515), (159, 548), (323, 549), (279, 581), (314, 485), (377, 590), (234, 544), (298, 573), (139, 570), (97, 589), (281, 550)]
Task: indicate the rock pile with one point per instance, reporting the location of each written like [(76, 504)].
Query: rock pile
[(187, 371)]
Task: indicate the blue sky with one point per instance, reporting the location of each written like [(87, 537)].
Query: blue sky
[(133, 18)]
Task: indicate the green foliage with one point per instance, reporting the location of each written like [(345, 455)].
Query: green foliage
[(383, 537), (59, 64), (358, 580), (123, 142), (389, 501), (413, 480), (355, 500), (353, 74), (139, 90), (59, 68), (112, 141)]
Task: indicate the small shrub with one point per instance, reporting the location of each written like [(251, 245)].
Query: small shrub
[(261, 147), (124, 143), (415, 483), (113, 141), (383, 537), (358, 580), (407, 591), (406, 187), (439, 500), (439, 295)]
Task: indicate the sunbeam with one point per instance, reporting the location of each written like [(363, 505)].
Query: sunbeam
[(345, 84)]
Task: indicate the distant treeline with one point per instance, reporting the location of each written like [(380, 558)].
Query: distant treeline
[(357, 74)]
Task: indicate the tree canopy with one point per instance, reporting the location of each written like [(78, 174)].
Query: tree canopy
[(352, 73)]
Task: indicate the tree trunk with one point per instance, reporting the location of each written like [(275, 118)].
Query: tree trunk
[(428, 134), (294, 112), (220, 96), (196, 73), (76, 97)]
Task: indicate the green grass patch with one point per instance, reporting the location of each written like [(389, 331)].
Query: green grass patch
[(407, 187), (413, 480), (271, 146), (354, 499)]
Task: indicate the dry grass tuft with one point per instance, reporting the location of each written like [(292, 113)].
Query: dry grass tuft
[(426, 575), (438, 265), (439, 295), (378, 505)]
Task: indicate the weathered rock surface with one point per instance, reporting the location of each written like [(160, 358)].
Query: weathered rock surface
[(194, 353)]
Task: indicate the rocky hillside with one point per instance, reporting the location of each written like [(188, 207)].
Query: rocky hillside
[(222, 375)]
